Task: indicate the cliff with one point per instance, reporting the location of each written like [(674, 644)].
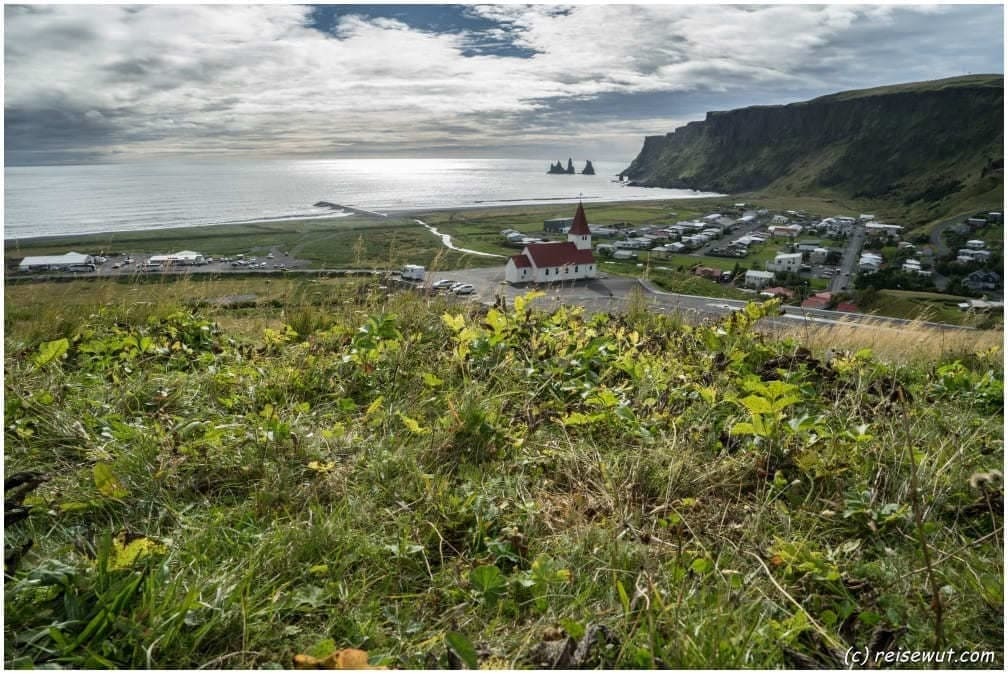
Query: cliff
[(908, 143)]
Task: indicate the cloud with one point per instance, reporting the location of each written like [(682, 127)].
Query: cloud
[(161, 79)]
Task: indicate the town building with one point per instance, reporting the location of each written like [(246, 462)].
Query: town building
[(914, 267), (67, 262), (818, 301), (183, 257), (869, 263), (785, 262), (881, 231), (568, 260), (754, 278)]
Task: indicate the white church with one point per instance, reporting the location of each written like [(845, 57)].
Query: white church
[(558, 261)]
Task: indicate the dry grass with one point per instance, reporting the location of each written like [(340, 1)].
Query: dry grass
[(913, 342)]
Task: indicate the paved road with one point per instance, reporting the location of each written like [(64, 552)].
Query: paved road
[(616, 293), (844, 278), (610, 294)]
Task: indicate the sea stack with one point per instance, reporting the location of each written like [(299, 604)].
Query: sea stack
[(589, 170), (557, 168), (570, 166)]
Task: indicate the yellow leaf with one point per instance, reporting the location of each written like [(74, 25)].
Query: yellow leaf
[(124, 555), (346, 658), (322, 466), (107, 483), (454, 323)]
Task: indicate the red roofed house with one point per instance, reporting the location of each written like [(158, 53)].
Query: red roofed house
[(818, 301), (558, 261)]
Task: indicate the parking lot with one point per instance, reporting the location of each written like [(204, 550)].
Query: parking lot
[(275, 260)]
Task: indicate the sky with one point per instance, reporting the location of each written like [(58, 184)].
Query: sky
[(107, 83)]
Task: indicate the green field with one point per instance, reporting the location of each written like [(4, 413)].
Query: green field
[(350, 242), (334, 466)]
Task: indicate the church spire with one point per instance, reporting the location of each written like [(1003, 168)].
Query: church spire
[(580, 224), (579, 234)]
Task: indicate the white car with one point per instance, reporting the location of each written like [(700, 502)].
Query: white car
[(443, 284), (463, 289)]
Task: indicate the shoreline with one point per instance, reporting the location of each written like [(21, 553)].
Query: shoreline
[(337, 217)]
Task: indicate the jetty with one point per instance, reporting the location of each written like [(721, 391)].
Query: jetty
[(352, 209)]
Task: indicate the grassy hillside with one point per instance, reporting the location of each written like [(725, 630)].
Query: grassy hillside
[(925, 150), (441, 485)]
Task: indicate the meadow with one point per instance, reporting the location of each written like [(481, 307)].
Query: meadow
[(332, 465)]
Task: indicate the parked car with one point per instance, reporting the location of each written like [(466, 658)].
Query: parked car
[(443, 284), (463, 289)]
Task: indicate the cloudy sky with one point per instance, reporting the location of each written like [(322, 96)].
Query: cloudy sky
[(106, 82)]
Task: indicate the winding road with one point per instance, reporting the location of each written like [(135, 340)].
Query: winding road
[(447, 241)]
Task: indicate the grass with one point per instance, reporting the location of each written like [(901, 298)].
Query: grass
[(925, 306), (435, 484), (338, 243)]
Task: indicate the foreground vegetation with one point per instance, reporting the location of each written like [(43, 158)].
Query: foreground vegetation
[(443, 486)]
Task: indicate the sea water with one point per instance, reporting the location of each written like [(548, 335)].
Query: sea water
[(55, 200)]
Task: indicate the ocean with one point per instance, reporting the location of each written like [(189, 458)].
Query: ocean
[(140, 195)]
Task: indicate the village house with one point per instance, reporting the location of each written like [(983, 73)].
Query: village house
[(982, 280), (754, 278), (568, 260), (914, 267), (881, 232), (839, 226), (785, 262), (818, 301), (971, 255), (869, 263)]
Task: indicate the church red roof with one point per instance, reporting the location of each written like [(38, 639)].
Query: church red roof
[(557, 254), (521, 261), (580, 224)]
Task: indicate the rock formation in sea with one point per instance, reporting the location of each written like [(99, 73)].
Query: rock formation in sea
[(557, 168), (570, 166), (589, 170)]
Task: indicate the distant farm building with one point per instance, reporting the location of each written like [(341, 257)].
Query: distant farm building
[(67, 262)]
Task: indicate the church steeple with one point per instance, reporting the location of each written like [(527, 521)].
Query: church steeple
[(579, 233)]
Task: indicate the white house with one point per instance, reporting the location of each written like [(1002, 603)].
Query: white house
[(869, 263), (818, 255), (878, 230), (568, 260), (779, 220), (968, 255), (754, 278), (914, 267), (785, 262)]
